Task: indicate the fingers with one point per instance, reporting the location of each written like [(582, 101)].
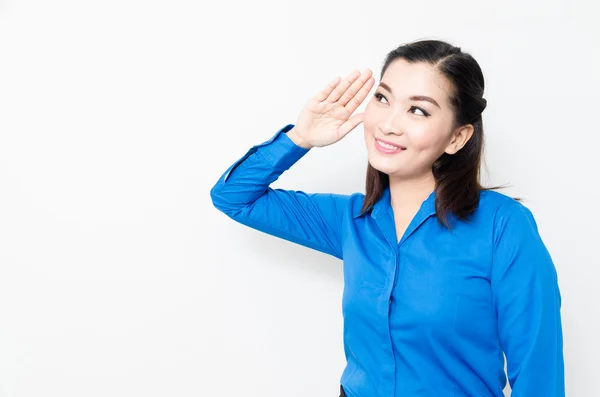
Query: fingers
[(351, 123), (324, 93), (355, 87), (342, 87), (360, 96)]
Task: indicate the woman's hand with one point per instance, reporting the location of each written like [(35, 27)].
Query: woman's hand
[(325, 118)]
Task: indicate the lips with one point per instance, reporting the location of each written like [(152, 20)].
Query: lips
[(388, 147)]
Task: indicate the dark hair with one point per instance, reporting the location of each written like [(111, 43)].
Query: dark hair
[(456, 176)]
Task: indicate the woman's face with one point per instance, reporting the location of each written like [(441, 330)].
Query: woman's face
[(410, 110)]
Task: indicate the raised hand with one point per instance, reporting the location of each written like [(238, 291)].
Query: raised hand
[(325, 119)]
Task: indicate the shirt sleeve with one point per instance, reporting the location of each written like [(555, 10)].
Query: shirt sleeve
[(309, 219), (527, 300)]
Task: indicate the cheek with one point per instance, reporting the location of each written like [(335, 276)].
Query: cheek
[(426, 138), (369, 120), (369, 124)]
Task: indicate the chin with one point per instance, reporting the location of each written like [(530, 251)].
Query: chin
[(382, 166)]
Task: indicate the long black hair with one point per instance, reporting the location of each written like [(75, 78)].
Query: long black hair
[(456, 176)]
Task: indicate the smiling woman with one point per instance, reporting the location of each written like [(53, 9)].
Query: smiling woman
[(435, 115), (442, 276)]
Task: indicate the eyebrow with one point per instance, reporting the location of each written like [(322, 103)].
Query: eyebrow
[(412, 98)]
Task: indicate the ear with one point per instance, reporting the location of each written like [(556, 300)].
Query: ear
[(460, 137)]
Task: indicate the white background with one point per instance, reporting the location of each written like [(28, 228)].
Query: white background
[(117, 275)]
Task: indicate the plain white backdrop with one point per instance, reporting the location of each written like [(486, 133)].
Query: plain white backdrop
[(117, 275)]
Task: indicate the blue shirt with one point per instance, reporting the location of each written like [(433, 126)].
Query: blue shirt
[(430, 315)]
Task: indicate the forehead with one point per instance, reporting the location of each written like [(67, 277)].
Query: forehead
[(406, 79)]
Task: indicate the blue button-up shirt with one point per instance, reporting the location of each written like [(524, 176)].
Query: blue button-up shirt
[(434, 313)]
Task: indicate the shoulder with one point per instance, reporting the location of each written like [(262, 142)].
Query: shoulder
[(501, 206), (492, 200), (511, 219), (335, 204), (355, 202)]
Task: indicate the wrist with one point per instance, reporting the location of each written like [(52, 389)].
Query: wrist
[(297, 140)]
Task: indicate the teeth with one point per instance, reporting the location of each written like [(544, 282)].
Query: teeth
[(388, 146)]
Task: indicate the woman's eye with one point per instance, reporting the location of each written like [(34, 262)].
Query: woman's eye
[(420, 110), (379, 96)]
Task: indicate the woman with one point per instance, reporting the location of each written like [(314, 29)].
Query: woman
[(442, 276)]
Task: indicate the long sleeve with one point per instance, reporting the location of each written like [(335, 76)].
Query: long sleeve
[(527, 300), (243, 193)]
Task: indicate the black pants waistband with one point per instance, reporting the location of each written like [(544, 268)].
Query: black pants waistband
[(342, 394)]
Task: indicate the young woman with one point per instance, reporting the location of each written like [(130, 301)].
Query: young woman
[(442, 276)]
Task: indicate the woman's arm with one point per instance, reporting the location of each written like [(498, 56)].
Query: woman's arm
[(243, 193), (528, 301), (313, 220)]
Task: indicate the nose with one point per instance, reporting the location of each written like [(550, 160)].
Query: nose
[(391, 124)]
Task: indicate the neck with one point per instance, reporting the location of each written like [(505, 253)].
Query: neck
[(410, 192)]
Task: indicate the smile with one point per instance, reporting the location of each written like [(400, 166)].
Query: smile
[(387, 148)]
